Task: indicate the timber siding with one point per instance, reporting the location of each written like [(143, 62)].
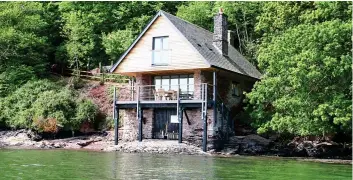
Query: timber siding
[(181, 54)]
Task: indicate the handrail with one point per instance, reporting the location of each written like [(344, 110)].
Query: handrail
[(222, 101)]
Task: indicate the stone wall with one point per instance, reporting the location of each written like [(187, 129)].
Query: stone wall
[(147, 123), (130, 128)]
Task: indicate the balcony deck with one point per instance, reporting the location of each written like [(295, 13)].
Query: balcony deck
[(161, 104), (151, 97)]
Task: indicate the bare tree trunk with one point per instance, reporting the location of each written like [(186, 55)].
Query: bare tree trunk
[(246, 29), (236, 25)]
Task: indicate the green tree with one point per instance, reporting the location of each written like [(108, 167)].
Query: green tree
[(79, 33), (200, 13), (306, 88), (22, 38), (14, 77), (116, 43)]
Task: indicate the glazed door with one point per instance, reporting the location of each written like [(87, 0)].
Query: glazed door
[(164, 126)]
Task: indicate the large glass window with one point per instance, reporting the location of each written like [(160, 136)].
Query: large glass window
[(160, 51), (167, 83), (174, 81)]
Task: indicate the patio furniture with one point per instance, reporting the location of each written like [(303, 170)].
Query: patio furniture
[(159, 94)]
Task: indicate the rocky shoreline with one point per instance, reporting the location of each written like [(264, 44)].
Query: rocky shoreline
[(248, 145), (23, 139)]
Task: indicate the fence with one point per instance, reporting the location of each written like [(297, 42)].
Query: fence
[(99, 76)]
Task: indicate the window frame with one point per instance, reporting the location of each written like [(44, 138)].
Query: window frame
[(161, 50), (188, 76), (236, 85)]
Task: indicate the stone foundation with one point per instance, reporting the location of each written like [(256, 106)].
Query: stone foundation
[(192, 129)]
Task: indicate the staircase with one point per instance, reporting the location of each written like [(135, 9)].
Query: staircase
[(224, 119)]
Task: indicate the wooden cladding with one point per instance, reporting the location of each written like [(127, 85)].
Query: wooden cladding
[(181, 54)]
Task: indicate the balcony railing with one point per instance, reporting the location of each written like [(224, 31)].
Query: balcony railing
[(161, 57), (163, 93)]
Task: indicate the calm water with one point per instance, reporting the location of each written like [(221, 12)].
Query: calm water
[(61, 164)]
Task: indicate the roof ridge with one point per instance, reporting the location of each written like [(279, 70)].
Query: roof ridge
[(199, 27)]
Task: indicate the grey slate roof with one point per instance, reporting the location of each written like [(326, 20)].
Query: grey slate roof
[(202, 40)]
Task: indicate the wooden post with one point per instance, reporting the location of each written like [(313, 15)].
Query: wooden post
[(214, 98), (100, 71), (103, 76), (116, 119)]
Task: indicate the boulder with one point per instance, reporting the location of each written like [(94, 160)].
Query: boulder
[(34, 136), (251, 144), (256, 139)]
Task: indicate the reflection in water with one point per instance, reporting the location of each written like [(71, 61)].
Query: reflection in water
[(61, 164), (141, 166)]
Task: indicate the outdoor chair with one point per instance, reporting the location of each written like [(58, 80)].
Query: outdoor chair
[(160, 94)]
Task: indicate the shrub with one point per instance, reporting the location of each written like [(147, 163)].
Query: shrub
[(14, 77), (56, 105), (86, 111), (16, 109), (45, 106), (48, 125)]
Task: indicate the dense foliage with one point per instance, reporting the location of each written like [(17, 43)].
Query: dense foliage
[(42, 101), (302, 48), (306, 59)]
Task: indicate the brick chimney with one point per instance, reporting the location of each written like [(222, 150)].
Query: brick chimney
[(220, 35)]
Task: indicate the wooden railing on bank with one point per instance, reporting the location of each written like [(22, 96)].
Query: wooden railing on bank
[(103, 77)]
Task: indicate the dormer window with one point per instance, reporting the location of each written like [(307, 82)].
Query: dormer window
[(160, 51)]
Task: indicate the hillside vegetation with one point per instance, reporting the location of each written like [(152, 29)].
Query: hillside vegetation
[(303, 49)]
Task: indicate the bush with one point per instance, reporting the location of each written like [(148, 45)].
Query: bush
[(45, 106), (14, 77), (76, 82), (86, 111), (46, 125), (16, 109), (56, 105)]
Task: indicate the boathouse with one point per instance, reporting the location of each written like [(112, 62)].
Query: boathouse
[(186, 83)]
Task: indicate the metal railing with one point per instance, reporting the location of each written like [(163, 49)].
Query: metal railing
[(162, 93), (161, 57)]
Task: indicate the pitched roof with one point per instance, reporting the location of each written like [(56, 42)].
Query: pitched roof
[(202, 41)]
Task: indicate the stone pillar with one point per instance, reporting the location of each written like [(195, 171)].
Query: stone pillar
[(130, 131), (146, 91), (147, 123), (197, 84)]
